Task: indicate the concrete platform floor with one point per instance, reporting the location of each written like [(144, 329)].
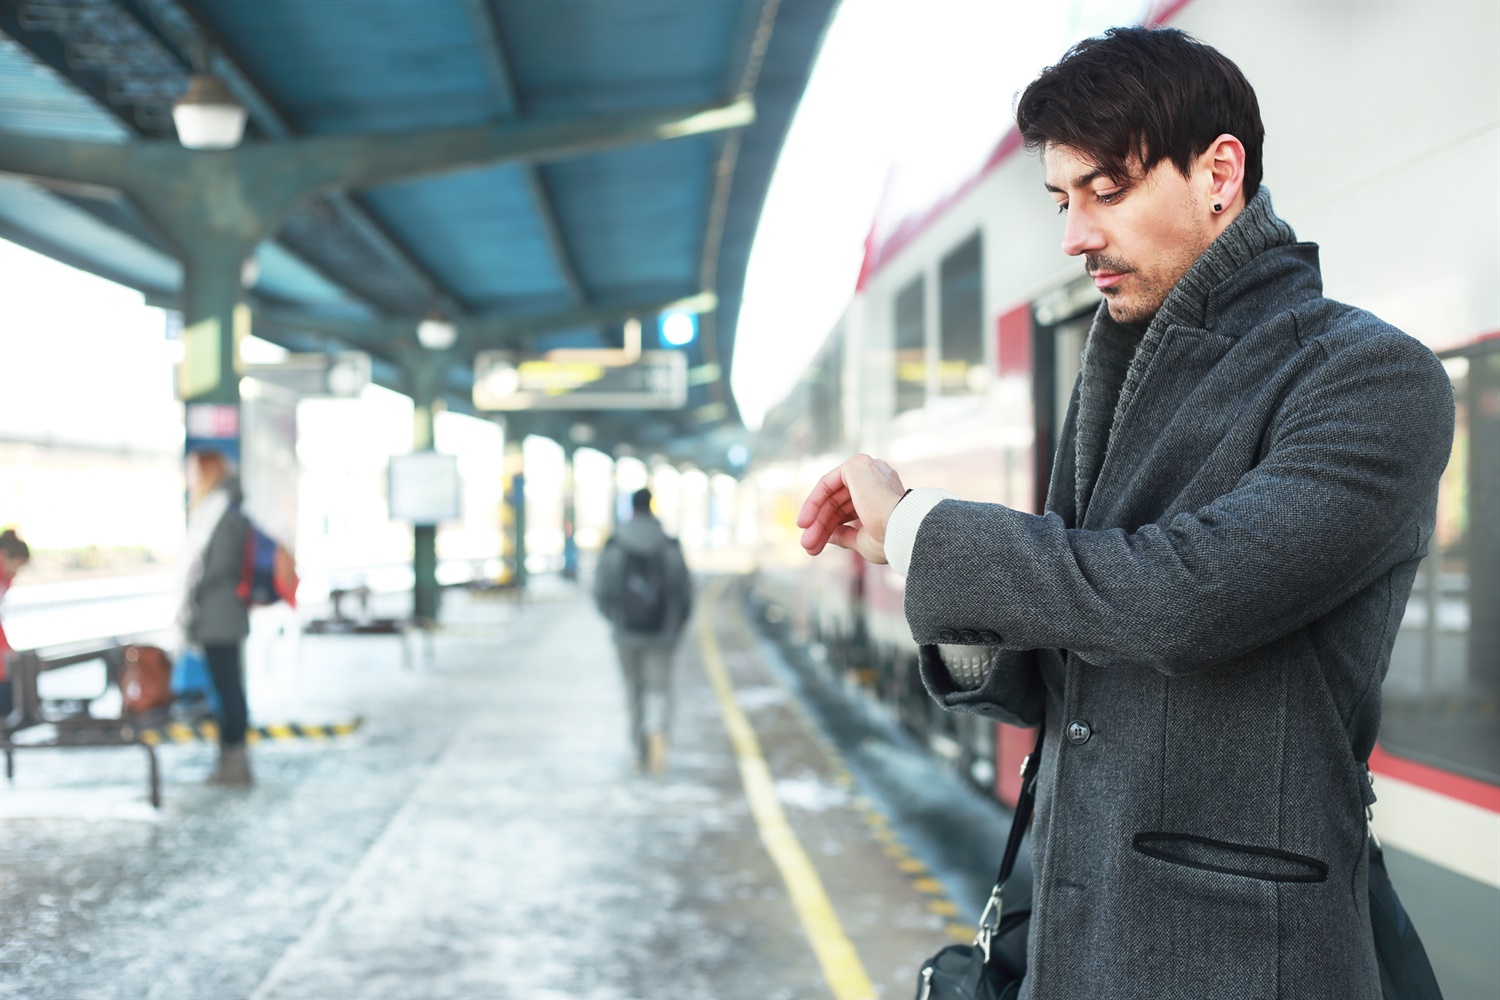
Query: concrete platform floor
[(482, 835)]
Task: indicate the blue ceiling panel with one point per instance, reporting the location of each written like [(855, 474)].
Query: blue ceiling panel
[(337, 67), (288, 278), (635, 217), (490, 245), (596, 56), (35, 100)]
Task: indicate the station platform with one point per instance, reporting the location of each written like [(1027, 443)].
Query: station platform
[(481, 833)]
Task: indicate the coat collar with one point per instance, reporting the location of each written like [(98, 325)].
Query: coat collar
[(1117, 358)]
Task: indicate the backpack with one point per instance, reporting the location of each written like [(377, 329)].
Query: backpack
[(269, 573), (145, 679), (643, 597)]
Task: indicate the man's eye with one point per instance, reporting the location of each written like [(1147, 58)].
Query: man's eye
[(1110, 197), (1062, 207)]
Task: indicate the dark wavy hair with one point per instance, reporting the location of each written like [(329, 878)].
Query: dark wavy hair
[(1148, 93)]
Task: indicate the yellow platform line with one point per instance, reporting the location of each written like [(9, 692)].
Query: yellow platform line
[(937, 900), (841, 966)]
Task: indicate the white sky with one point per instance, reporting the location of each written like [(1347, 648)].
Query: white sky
[(917, 93), (82, 359)]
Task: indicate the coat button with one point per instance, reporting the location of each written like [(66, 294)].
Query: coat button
[(947, 635), (1079, 732), (988, 637)]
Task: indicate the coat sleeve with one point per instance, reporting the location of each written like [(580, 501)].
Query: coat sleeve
[(1343, 493), (1012, 690), (223, 559)]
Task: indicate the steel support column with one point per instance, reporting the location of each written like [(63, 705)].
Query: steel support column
[(515, 469), (424, 379), (570, 510)]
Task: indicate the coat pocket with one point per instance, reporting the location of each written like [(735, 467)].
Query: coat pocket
[(1269, 864)]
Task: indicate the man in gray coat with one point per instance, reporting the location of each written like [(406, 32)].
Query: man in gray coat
[(643, 587), (1244, 485)]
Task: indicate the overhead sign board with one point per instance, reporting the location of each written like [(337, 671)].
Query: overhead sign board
[(504, 380), (341, 374)]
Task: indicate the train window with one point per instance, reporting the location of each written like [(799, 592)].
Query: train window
[(1442, 694), (911, 345), (961, 368)]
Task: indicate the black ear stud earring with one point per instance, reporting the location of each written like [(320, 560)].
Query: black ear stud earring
[(1218, 208)]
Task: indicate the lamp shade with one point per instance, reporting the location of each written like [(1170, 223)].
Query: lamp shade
[(436, 333), (207, 116)]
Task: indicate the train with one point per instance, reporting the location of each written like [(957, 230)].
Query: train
[(956, 354)]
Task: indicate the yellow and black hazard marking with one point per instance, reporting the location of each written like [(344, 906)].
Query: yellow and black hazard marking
[(922, 880), (207, 731)]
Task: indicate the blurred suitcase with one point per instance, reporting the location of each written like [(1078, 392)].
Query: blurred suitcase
[(145, 680)]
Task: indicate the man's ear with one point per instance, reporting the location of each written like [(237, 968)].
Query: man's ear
[(1224, 163)]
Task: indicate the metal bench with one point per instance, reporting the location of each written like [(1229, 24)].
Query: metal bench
[(343, 624), (72, 721)]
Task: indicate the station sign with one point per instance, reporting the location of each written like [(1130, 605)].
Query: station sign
[(572, 380), (343, 374)]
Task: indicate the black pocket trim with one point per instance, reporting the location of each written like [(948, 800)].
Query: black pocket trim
[(1314, 870)]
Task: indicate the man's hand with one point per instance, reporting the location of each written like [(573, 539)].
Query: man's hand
[(850, 507)]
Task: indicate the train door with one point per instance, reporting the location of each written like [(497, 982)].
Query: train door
[(1059, 327), (1059, 321)]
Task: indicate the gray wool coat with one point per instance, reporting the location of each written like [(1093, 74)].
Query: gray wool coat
[(216, 616), (1205, 637)]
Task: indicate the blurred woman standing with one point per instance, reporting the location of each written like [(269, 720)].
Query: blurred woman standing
[(211, 614), (14, 554)]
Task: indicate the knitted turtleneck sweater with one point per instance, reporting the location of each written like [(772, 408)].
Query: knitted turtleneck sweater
[(1117, 356)]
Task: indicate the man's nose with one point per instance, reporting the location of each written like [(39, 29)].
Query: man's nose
[(1081, 235)]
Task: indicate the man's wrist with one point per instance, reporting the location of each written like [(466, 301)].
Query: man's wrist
[(905, 520)]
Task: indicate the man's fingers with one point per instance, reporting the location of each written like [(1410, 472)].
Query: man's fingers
[(823, 524), (845, 537), (829, 486)]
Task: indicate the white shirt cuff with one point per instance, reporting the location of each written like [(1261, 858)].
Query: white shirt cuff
[(901, 529)]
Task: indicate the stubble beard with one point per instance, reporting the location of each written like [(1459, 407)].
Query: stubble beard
[(1125, 308), (1152, 287)]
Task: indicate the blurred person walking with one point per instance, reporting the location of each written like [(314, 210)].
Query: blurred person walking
[(643, 587), (14, 553), (211, 614)]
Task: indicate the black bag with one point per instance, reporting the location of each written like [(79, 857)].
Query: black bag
[(993, 966), (1405, 972), (643, 598)]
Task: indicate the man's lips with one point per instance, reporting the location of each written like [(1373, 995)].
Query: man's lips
[(1107, 279)]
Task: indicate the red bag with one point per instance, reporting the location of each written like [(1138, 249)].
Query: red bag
[(145, 679)]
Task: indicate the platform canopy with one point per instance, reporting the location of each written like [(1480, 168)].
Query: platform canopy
[(569, 166)]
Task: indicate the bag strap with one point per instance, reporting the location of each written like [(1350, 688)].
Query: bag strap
[(989, 921)]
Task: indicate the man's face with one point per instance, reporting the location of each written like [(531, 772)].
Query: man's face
[(1137, 235)]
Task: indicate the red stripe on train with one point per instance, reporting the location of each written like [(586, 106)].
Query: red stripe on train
[(1454, 786)]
